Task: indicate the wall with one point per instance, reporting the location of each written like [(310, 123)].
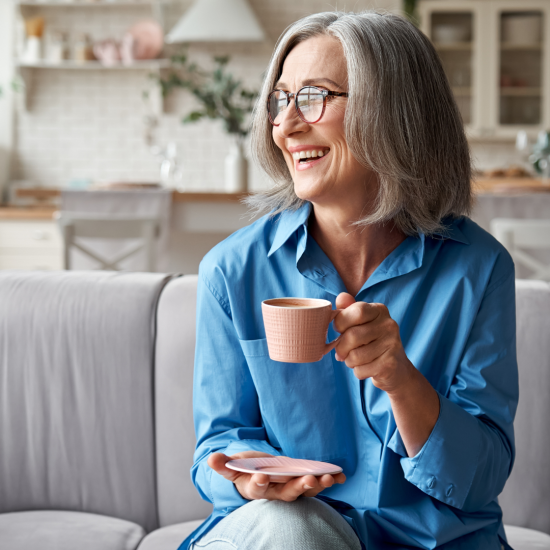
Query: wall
[(6, 97), (89, 124)]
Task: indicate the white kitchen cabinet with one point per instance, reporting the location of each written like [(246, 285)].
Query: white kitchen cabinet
[(496, 54), (30, 244)]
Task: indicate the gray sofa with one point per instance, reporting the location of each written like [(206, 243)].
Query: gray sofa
[(96, 431)]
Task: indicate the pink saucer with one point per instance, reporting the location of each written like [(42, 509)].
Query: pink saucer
[(282, 468)]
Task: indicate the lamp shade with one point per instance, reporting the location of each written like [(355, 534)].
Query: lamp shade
[(217, 21)]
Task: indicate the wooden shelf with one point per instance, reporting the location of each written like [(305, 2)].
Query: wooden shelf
[(91, 3), (149, 64), (510, 91), (25, 71), (521, 47)]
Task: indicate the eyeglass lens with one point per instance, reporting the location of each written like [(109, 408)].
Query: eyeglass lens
[(309, 102)]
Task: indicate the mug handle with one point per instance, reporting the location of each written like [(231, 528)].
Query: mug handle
[(331, 345)]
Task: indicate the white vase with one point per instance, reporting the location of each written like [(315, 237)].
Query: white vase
[(236, 169)]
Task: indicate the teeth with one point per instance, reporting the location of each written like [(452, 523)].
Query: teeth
[(308, 154)]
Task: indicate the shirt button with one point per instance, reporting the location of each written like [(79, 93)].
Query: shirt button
[(449, 490), (431, 483)]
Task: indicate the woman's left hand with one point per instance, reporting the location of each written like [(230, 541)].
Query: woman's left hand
[(370, 344)]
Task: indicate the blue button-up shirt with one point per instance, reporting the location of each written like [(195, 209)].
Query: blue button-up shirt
[(453, 297)]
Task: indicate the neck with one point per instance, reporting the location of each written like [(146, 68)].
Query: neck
[(355, 251)]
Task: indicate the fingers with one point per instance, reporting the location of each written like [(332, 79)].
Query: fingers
[(308, 486), (344, 300), (257, 486), (366, 354), (294, 488), (364, 343), (358, 313)]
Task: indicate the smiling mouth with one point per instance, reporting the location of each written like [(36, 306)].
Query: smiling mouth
[(304, 157)]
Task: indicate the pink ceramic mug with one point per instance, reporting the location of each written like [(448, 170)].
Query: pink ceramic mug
[(296, 328)]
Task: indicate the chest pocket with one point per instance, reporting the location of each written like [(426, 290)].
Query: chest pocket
[(299, 404)]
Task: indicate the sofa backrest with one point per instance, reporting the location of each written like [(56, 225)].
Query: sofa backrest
[(526, 498), (76, 392), (178, 500)]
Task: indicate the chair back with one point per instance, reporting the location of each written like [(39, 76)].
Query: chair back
[(517, 235), (76, 225), (76, 406)]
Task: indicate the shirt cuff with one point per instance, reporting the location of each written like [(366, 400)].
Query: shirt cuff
[(224, 493), (445, 466)]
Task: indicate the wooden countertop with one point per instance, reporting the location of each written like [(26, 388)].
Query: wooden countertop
[(27, 212), (497, 186), (49, 194), (46, 212), (510, 186)]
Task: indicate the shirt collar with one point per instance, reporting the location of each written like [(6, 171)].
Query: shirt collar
[(290, 220), (287, 224), (452, 231)]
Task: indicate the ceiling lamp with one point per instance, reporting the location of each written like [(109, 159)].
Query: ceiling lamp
[(217, 21)]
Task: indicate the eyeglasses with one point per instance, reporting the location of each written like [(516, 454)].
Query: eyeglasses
[(310, 103)]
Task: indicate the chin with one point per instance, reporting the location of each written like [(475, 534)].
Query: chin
[(311, 189)]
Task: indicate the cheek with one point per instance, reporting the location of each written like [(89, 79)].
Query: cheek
[(280, 142)]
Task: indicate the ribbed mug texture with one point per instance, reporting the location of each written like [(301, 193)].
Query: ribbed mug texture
[(296, 335)]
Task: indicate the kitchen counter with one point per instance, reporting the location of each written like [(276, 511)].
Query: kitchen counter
[(46, 212), (27, 212), (510, 186)]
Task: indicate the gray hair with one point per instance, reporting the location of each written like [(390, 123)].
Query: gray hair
[(401, 121)]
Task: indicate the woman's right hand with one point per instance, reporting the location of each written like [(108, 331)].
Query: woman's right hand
[(257, 486)]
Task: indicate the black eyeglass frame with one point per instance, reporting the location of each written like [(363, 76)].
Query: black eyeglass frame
[(290, 96)]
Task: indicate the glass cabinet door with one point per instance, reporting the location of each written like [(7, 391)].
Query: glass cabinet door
[(452, 35), (520, 67)]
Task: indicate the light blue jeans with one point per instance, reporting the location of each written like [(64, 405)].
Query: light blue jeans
[(305, 524)]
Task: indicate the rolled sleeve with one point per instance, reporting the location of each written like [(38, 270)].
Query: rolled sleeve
[(469, 454)]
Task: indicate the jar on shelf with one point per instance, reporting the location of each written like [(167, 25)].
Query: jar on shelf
[(83, 49), (58, 49)]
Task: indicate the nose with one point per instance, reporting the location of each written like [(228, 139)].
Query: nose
[(291, 123)]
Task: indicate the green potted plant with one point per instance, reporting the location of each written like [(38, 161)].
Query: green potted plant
[(409, 8), (221, 97)]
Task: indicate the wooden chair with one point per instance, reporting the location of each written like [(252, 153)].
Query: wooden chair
[(112, 227), (517, 235)]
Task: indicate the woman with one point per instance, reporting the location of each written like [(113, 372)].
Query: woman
[(416, 403)]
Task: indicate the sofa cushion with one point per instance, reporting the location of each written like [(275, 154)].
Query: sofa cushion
[(525, 500), (59, 530), (178, 500), (526, 539), (76, 413), (169, 538)]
